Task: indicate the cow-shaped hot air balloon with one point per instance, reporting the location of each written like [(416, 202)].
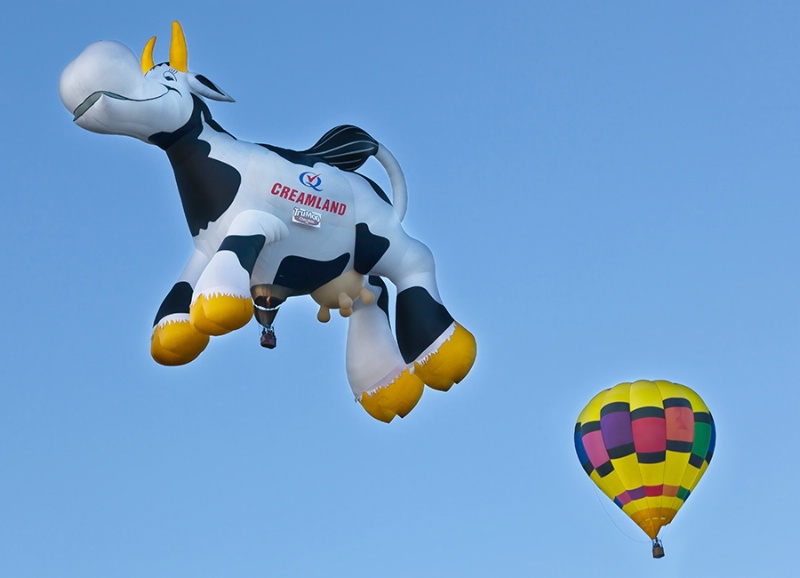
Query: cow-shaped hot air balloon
[(270, 223), (646, 444)]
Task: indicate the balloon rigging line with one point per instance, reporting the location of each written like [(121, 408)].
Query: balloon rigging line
[(613, 521)]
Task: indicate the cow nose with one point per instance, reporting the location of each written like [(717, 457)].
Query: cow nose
[(103, 66)]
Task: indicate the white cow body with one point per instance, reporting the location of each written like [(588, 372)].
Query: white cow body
[(264, 170)]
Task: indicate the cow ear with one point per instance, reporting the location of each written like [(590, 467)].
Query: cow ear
[(204, 87)]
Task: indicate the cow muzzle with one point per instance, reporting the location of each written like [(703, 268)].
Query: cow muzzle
[(105, 67)]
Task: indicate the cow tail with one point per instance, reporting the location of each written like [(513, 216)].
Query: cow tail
[(348, 147), (396, 179)]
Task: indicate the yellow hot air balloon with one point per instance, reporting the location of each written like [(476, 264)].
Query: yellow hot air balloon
[(646, 444)]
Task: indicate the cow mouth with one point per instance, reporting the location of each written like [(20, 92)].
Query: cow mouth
[(95, 96)]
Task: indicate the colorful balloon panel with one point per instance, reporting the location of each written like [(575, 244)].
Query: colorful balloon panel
[(646, 445)]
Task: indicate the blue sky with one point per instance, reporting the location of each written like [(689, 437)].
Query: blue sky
[(611, 193)]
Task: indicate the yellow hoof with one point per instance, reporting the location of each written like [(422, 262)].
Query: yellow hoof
[(397, 398), (177, 343), (219, 314), (450, 363)]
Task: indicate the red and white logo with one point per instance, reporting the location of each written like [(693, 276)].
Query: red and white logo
[(309, 200)]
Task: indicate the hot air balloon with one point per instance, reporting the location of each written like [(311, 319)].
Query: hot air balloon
[(646, 445), (270, 223)]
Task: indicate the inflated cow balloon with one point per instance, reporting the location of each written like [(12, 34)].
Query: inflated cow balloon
[(270, 223)]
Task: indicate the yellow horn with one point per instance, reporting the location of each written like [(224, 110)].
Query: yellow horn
[(178, 56), (147, 55)]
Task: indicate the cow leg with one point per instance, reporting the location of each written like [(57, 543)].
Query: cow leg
[(380, 379), (175, 341), (441, 350), (221, 302)]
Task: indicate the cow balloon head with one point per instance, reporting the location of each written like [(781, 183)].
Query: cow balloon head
[(110, 91)]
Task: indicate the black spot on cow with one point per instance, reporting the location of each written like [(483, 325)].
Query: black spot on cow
[(207, 186), (369, 249), (303, 275), (246, 249), (294, 157), (420, 321), (177, 301), (383, 298)]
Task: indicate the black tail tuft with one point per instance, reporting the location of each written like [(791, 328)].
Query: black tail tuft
[(346, 147)]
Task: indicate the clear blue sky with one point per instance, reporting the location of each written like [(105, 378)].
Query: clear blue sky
[(611, 193)]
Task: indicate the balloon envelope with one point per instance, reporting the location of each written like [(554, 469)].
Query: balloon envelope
[(646, 444)]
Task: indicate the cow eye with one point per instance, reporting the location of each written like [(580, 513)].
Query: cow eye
[(169, 76)]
